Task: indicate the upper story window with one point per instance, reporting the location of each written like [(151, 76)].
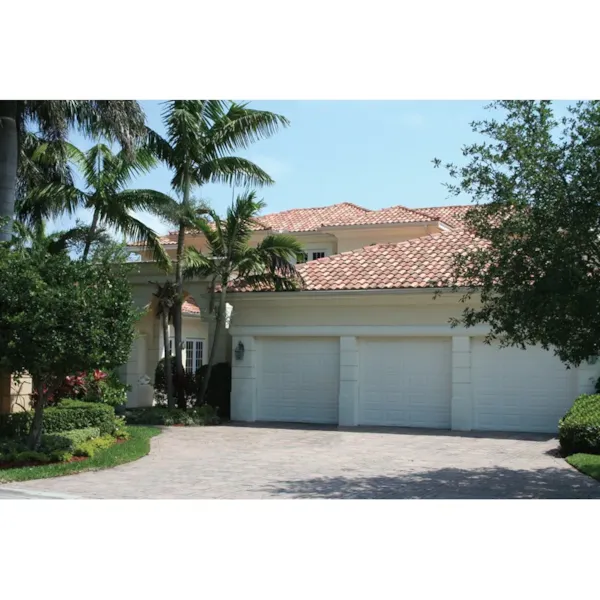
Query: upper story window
[(312, 255)]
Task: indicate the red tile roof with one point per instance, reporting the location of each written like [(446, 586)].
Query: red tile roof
[(344, 214), (451, 215), (415, 263), (311, 219), (385, 216), (190, 307)]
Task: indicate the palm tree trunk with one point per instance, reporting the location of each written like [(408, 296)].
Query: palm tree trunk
[(219, 322), (89, 238), (9, 158), (168, 367), (35, 433), (178, 321)]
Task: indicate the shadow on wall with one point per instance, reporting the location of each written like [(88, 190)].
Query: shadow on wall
[(448, 483)]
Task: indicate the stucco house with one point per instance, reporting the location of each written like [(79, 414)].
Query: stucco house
[(364, 342)]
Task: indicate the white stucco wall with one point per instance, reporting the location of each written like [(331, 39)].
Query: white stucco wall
[(353, 316)]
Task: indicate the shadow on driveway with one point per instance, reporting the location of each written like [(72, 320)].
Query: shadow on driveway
[(448, 483)]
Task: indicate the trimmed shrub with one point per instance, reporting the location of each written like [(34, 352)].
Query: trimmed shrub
[(30, 456), (579, 429), (68, 440), (158, 415), (91, 447), (218, 393), (66, 416)]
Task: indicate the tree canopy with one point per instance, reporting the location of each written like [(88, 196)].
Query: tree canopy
[(534, 180)]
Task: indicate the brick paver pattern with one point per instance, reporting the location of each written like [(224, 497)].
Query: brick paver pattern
[(306, 462)]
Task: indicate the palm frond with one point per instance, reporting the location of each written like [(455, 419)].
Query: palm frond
[(241, 216), (240, 127), (147, 200), (231, 170), (138, 231), (196, 264), (48, 202)]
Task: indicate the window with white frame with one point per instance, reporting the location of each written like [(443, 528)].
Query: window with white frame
[(311, 255), (194, 354)]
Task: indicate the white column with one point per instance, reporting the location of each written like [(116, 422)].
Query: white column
[(348, 394), (462, 393), (243, 380)]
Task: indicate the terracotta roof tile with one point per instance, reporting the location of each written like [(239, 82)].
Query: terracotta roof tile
[(451, 215), (414, 263), (190, 307), (394, 214), (170, 238), (311, 219)]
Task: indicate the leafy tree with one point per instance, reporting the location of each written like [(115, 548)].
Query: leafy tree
[(535, 184), (105, 175), (116, 120), (230, 258), (200, 135), (58, 316)]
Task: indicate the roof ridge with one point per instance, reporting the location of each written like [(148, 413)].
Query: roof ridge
[(415, 210), (288, 210)]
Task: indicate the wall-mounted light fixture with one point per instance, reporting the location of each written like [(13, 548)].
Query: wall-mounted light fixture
[(239, 351), (592, 360)]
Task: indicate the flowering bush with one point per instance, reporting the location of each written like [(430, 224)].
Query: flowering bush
[(94, 386)]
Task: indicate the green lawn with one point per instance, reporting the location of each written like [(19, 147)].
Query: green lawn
[(586, 463), (135, 447)]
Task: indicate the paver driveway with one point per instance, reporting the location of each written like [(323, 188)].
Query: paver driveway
[(294, 462)]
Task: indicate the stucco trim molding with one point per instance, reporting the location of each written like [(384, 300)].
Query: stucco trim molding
[(360, 331)]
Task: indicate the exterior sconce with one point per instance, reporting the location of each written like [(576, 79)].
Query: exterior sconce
[(239, 351), (592, 360)]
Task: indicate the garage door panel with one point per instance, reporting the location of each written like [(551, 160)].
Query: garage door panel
[(519, 390), (298, 380), (405, 382)]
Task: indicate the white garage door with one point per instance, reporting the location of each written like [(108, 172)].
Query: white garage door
[(519, 390), (299, 380), (406, 382)]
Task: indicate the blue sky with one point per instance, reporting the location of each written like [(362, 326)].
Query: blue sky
[(372, 153)]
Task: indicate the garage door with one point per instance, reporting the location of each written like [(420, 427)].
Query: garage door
[(299, 380), (406, 382), (519, 390)]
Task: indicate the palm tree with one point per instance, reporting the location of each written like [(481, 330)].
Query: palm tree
[(200, 134), (165, 295), (230, 258), (116, 120), (105, 175)]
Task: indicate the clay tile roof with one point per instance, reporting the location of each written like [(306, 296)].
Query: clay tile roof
[(451, 215), (190, 307), (311, 219), (394, 214), (414, 263), (170, 238)]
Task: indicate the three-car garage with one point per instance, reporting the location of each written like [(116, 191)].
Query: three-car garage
[(404, 381)]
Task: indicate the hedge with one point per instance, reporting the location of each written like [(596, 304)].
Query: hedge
[(579, 429), (69, 440), (68, 415)]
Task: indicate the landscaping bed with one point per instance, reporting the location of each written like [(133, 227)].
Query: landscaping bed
[(579, 435), (119, 451), (159, 415)]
